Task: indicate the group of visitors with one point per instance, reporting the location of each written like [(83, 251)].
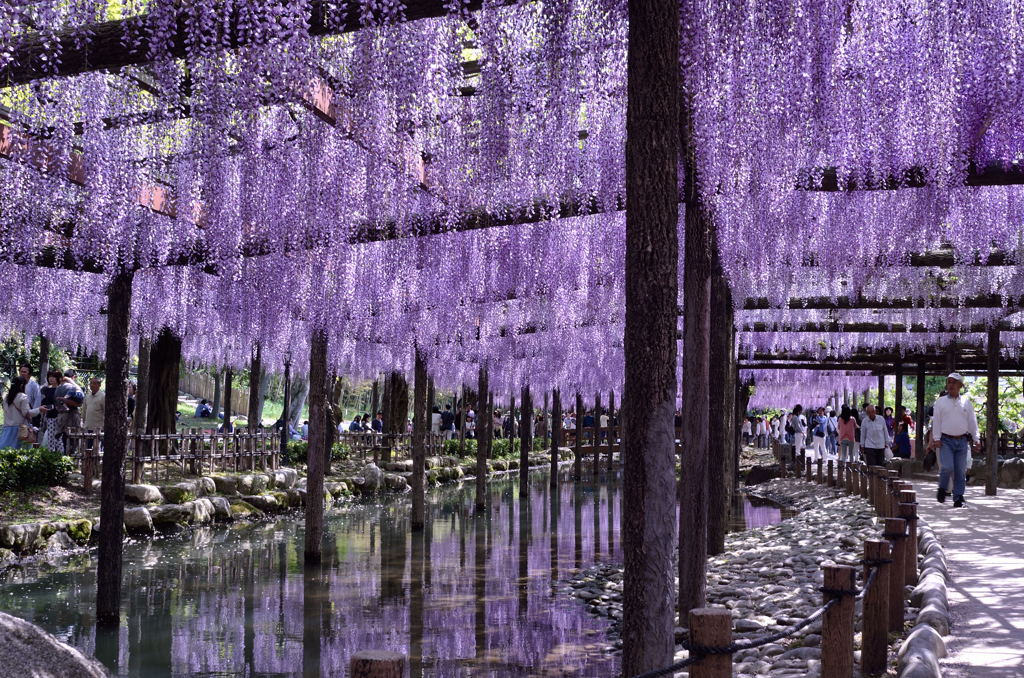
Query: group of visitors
[(46, 414), (866, 435), (849, 435)]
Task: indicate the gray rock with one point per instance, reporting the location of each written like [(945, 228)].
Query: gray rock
[(221, 508), (27, 650), (170, 515), (226, 484), (922, 639), (245, 484), (371, 478), (59, 541), (179, 493), (747, 625), (205, 486), (143, 494), (137, 520), (265, 502), (803, 653), (202, 511), (936, 616), (12, 537), (260, 483), (291, 477)]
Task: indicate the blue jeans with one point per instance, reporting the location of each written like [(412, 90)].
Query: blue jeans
[(953, 455)]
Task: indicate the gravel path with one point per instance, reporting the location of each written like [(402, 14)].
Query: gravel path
[(984, 545)]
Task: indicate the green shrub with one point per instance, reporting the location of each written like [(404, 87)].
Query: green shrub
[(39, 467), (295, 452), (340, 451), (451, 448)]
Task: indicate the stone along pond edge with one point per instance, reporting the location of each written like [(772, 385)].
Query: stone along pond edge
[(224, 498)]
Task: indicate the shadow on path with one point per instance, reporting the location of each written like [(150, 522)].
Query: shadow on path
[(984, 544)]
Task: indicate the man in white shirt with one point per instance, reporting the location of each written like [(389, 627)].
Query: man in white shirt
[(874, 437), (954, 426)]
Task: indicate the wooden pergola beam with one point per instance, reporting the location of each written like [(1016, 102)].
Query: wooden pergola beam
[(108, 48), (896, 328), (827, 179), (860, 302)]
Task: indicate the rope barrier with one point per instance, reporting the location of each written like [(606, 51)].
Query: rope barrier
[(698, 653)]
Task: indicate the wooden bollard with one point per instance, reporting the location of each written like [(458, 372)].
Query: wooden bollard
[(896, 533), (875, 631), (810, 473), (837, 623), (820, 463), (831, 474), (892, 478), (711, 628), (376, 664), (862, 473), (872, 487), (908, 512), (841, 476)]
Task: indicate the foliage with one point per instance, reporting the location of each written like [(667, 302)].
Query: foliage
[(32, 467), (295, 452)]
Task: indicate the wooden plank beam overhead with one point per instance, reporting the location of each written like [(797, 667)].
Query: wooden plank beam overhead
[(840, 303), (108, 48), (827, 179), (896, 328)]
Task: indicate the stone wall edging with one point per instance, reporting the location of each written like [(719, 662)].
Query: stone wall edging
[(925, 644)]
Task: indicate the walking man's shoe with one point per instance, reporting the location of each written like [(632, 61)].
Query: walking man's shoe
[(958, 502), (941, 496)]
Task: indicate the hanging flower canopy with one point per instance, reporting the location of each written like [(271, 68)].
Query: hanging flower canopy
[(450, 176)]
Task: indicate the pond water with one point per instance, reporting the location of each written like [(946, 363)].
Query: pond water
[(472, 595)]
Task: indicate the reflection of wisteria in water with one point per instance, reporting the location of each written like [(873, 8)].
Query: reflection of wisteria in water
[(474, 595), (760, 515)]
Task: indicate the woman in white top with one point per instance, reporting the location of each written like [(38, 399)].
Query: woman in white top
[(17, 411)]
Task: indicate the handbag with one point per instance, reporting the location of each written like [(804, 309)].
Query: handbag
[(27, 434), (888, 453)]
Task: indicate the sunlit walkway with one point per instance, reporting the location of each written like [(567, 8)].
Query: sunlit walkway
[(984, 545)]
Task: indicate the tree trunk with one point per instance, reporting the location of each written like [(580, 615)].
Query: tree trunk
[(419, 439), (286, 408), (228, 378), (317, 450), (115, 437), (262, 397), (164, 362), (484, 438), (722, 398), (693, 488), (649, 396), (525, 442), (300, 391), (44, 358), (992, 415), (375, 399), (217, 380), (556, 433), (255, 375), (142, 388)]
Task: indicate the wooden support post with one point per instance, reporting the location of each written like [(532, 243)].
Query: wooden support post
[(484, 437), (919, 437), (611, 436), (831, 474), (421, 429), (595, 436), (837, 622), (862, 476), (991, 415), (881, 393), (577, 464), (556, 433), (115, 433), (892, 480), (899, 387), (317, 452), (908, 512), (525, 441), (819, 472), (875, 629), (376, 664), (711, 628), (810, 471), (896, 533)]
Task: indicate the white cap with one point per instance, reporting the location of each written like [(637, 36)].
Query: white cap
[(956, 376)]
